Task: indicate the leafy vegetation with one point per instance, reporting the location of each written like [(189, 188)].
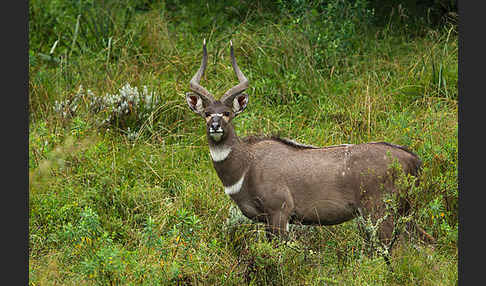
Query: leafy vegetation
[(122, 190)]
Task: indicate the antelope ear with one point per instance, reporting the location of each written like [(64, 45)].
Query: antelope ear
[(195, 102), (239, 103)]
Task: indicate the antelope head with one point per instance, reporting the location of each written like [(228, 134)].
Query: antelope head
[(218, 113)]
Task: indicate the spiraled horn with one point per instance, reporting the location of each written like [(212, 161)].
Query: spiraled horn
[(194, 83), (240, 87)]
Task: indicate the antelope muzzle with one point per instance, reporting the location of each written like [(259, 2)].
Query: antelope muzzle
[(215, 128)]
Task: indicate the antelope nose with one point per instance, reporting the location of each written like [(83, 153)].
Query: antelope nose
[(215, 125)]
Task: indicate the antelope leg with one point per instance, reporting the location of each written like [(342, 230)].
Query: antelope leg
[(277, 224)]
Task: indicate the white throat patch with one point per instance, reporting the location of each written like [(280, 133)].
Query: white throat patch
[(236, 187), (219, 153)]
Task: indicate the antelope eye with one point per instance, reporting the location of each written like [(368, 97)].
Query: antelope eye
[(226, 113), (207, 114)]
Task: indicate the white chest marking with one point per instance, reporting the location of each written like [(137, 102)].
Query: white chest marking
[(236, 187), (219, 153)]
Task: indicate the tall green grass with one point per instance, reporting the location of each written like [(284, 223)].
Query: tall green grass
[(136, 201)]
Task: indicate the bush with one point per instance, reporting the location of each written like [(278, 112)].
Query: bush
[(126, 110)]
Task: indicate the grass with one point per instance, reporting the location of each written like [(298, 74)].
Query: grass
[(143, 206)]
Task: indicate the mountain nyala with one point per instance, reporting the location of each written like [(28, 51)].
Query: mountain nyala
[(279, 181)]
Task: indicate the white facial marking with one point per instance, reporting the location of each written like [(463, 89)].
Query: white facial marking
[(219, 153), (217, 114), (213, 115), (287, 227), (236, 187)]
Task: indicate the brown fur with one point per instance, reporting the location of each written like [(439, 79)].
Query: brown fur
[(312, 185), (284, 181)]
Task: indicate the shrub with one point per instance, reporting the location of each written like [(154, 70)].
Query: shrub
[(126, 110)]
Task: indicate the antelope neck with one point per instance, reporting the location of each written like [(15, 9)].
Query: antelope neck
[(219, 153), (236, 187), (231, 162)]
